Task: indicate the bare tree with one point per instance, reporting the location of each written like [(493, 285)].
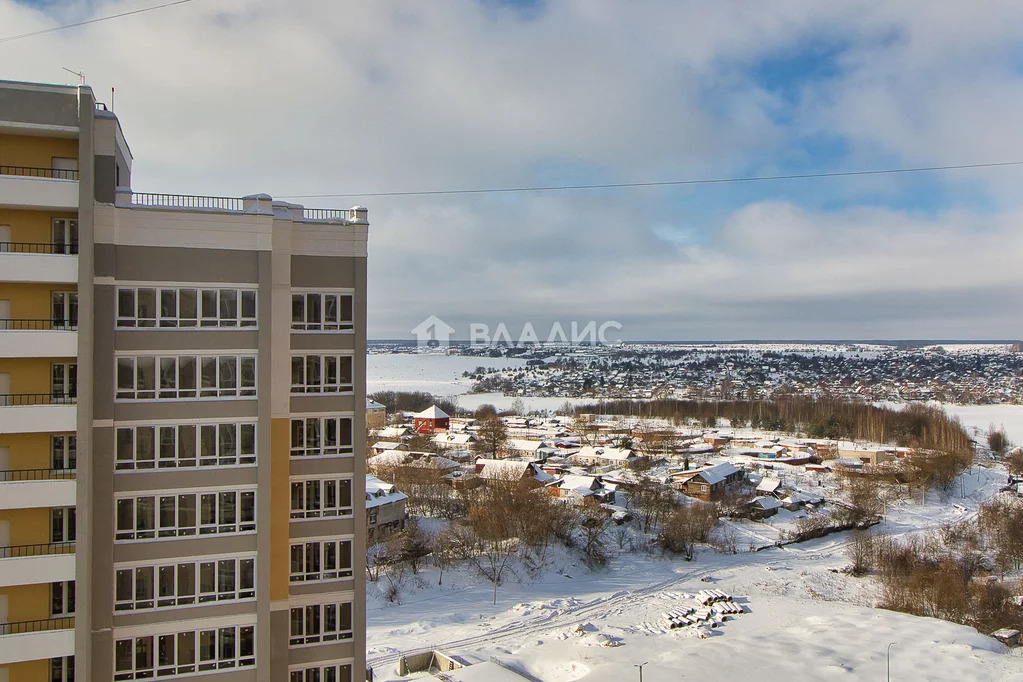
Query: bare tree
[(594, 521), (416, 544), (652, 501), (518, 407), (490, 437), (861, 552), (1014, 461), (685, 526), (997, 440)]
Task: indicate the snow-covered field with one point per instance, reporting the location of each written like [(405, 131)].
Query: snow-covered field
[(804, 619), (983, 416), (435, 373)]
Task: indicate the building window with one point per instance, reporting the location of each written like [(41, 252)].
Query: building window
[(178, 446), (185, 377), (64, 452), (64, 309), (321, 623), (185, 515), (321, 312), (185, 308), (62, 669), (64, 235), (62, 598), (321, 374), (332, 672), (320, 560), (62, 524), (63, 381), (184, 584), (317, 436), (185, 653), (321, 498)]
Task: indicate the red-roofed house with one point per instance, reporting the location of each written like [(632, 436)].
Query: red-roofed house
[(431, 420)]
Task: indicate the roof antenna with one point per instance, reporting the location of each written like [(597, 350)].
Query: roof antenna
[(81, 76)]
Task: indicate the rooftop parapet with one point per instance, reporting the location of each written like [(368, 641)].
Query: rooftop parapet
[(258, 204)]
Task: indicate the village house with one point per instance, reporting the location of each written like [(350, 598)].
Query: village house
[(385, 508), (517, 447), (602, 456), (376, 415), (423, 460), (707, 483), (511, 470), (578, 490), (763, 507), (716, 440), (392, 432), (431, 420), (454, 441), (382, 446)]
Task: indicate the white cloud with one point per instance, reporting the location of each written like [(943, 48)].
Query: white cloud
[(234, 97)]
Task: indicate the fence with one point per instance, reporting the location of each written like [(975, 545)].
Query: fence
[(27, 399), (22, 325), (187, 201), (43, 625), (43, 549), (31, 172)]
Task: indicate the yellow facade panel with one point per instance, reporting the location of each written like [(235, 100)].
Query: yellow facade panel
[(30, 375), (35, 152), (27, 450), (31, 301), (27, 602), (27, 526), (28, 671), (30, 227)]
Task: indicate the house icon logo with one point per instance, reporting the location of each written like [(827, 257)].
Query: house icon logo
[(433, 332)]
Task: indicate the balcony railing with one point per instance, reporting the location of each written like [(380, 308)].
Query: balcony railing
[(39, 247), (12, 475), (29, 171), (43, 625), (27, 399), (12, 324), (187, 201), (328, 214), (42, 549)]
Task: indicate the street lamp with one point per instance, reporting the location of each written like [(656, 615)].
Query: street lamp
[(888, 665), (640, 666)]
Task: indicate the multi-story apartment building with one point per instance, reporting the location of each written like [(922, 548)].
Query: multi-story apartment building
[(182, 410)]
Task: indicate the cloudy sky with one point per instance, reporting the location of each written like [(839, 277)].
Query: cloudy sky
[(232, 97)]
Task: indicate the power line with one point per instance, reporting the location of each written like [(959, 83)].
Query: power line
[(660, 183), (52, 29)]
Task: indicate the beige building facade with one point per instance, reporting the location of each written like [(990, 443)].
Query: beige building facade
[(182, 401)]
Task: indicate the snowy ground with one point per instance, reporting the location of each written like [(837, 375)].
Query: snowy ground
[(804, 620), (983, 416)]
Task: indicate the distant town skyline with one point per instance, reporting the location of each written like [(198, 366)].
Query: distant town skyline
[(313, 98)]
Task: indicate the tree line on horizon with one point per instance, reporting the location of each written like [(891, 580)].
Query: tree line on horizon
[(917, 426)]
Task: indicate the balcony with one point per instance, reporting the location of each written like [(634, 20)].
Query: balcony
[(37, 564), (34, 488), (37, 412), (38, 262), (26, 338), (35, 188), (37, 639)]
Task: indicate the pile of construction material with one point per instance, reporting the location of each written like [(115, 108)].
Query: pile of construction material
[(713, 605)]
